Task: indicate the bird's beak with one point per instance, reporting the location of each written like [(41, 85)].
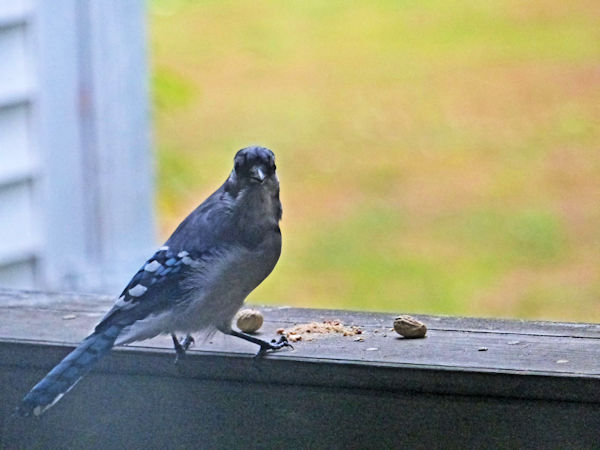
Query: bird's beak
[(257, 174)]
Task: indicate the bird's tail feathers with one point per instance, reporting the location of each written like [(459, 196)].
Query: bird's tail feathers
[(68, 372)]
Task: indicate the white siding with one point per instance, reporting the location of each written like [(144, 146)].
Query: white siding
[(75, 164), (14, 77), (17, 161), (17, 227), (12, 11), (19, 224)]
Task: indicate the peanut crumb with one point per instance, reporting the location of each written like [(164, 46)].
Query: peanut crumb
[(319, 329)]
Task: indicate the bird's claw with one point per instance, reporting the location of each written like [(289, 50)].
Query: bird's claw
[(181, 346), (187, 342), (275, 344)]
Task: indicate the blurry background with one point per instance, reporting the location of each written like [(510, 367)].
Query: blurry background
[(434, 156)]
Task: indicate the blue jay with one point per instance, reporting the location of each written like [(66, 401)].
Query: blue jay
[(195, 282)]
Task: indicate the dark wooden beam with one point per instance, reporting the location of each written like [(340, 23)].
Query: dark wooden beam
[(471, 382)]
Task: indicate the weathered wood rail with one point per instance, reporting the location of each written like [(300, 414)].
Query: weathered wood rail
[(472, 383)]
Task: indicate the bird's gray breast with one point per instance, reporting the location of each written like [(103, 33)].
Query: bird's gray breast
[(218, 289)]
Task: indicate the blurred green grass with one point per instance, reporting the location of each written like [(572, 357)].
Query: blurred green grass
[(435, 156)]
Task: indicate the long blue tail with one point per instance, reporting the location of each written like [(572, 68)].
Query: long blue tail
[(68, 372)]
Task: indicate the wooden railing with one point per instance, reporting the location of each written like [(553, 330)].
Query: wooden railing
[(471, 383)]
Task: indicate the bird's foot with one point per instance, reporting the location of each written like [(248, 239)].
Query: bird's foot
[(264, 345), (181, 346), (187, 342), (275, 344)]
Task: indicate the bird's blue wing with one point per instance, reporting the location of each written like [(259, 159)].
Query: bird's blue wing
[(156, 287)]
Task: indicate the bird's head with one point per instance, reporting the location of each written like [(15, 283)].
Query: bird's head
[(253, 184), (254, 167)]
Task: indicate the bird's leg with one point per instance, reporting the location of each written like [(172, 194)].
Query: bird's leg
[(181, 347), (264, 345), (178, 348)]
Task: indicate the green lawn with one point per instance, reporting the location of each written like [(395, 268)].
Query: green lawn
[(434, 156)]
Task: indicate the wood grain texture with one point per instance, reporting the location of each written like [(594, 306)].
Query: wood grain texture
[(331, 392), (453, 345)]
